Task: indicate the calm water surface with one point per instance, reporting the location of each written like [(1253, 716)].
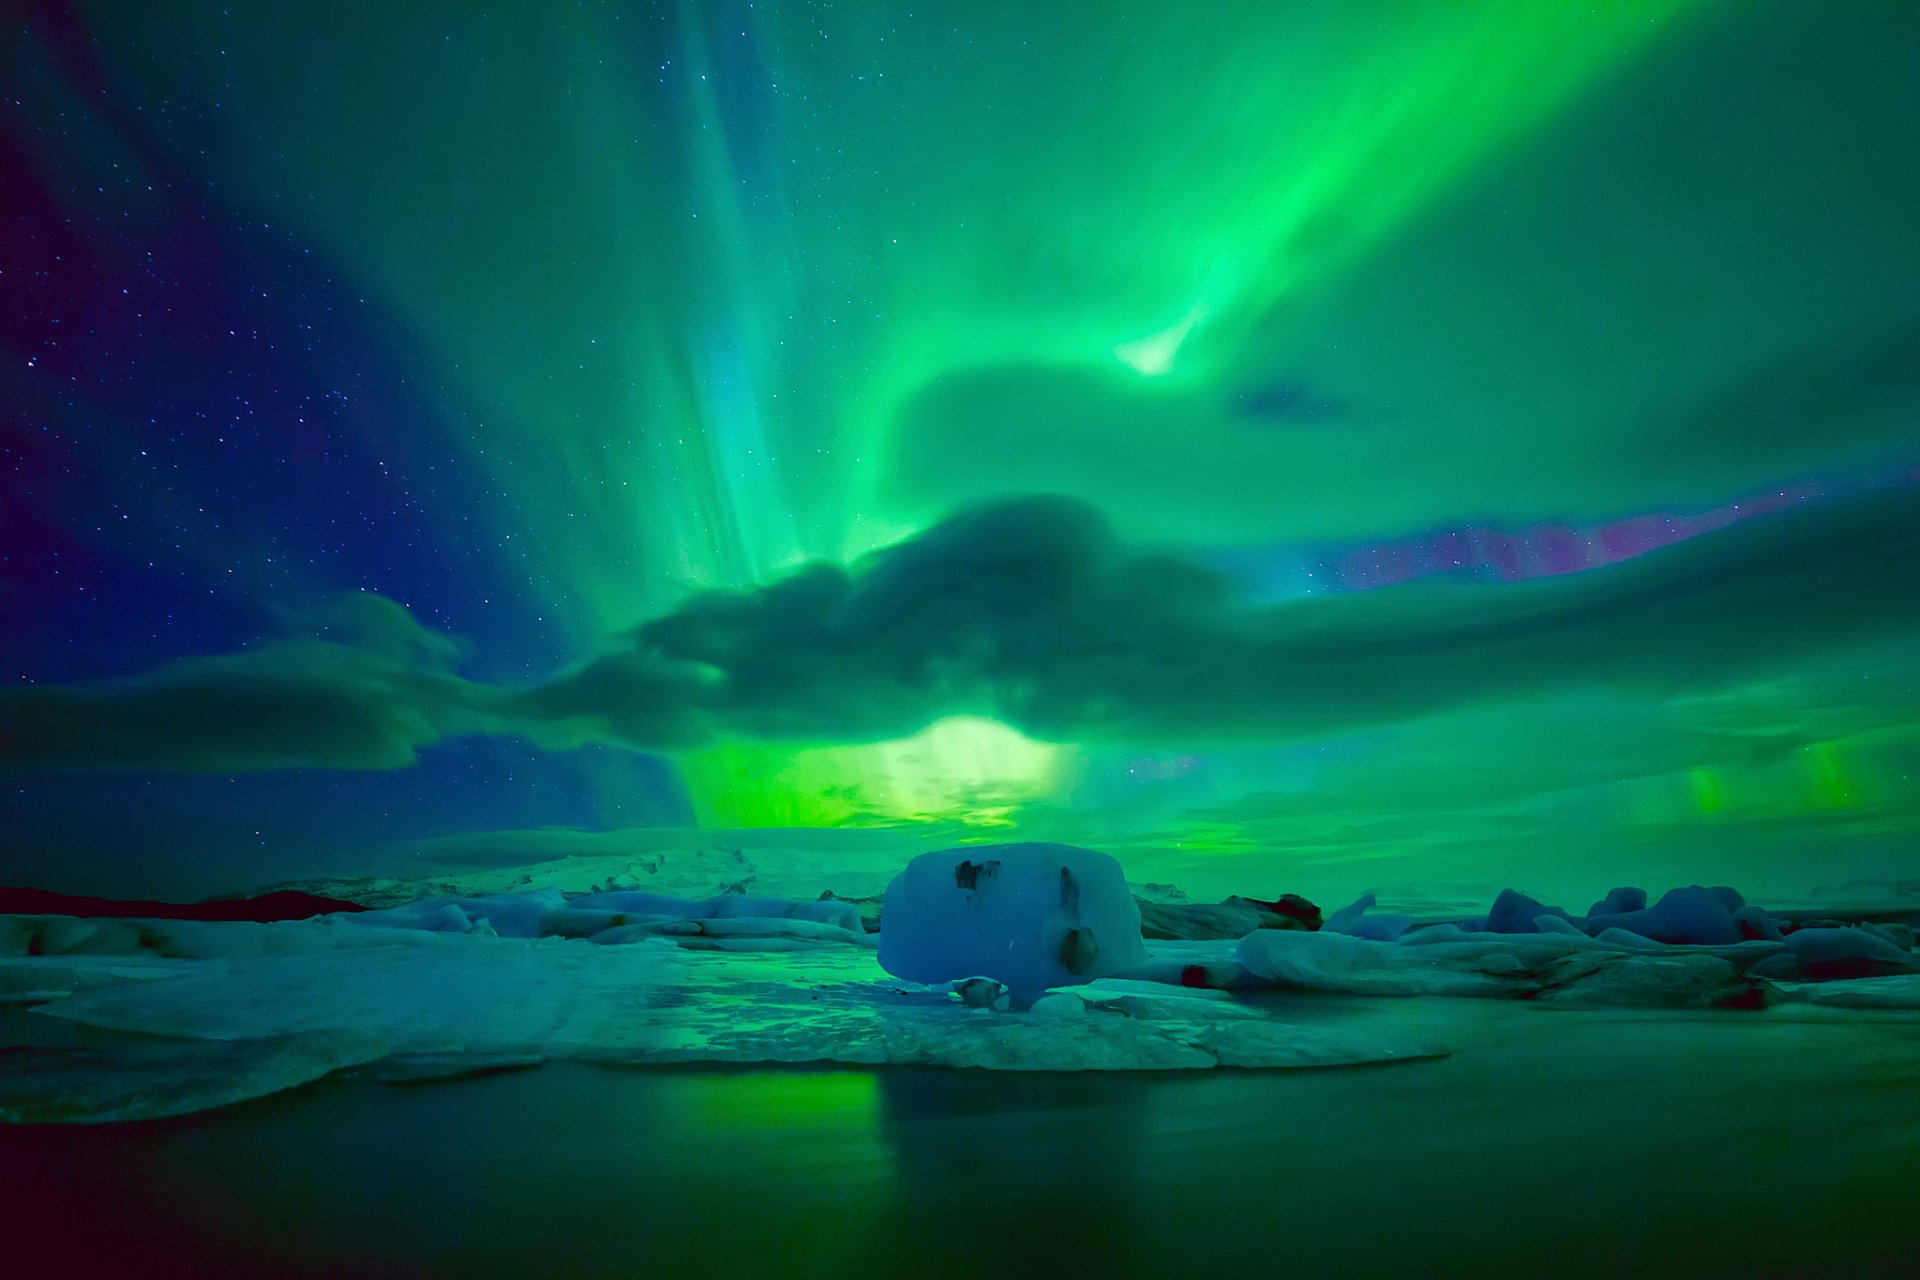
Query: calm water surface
[(1552, 1144)]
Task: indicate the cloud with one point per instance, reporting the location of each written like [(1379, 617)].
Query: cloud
[(359, 685), (1033, 613)]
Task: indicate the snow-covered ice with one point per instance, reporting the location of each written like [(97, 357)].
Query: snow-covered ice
[(335, 994)]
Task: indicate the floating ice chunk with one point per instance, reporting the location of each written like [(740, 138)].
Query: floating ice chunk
[(639, 902), (1325, 961), (1101, 988), (844, 915), (1618, 901), (1810, 945), (1174, 1005), (1159, 1002), (1429, 934), (1693, 914), (1380, 928), (1354, 921), (1626, 940), (1515, 912), (1198, 920), (144, 1080), (1207, 963), (1617, 969), (67, 936), (447, 919), (1840, 953), (42, 978), (422, 1068), (812, 932), (1755, 923), (577, 922), (1342, 920), (983, 993), (510, 915), (1899, 935), (1033, 916), (1688, 980), (1271, 1044), (1059, 1004)]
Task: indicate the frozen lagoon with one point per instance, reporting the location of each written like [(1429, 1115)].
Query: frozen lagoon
[(214, 1013), (1481, 1103), (1553, 1142)]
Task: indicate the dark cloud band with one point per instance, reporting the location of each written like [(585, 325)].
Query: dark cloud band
[(1029, 611)]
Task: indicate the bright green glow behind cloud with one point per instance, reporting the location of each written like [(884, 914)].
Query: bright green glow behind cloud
[(962, 772)]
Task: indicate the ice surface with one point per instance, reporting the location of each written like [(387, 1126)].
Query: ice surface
[(148, 1079), (1234, 918), (1686, 980), (188, 1014), (1033, 916), (1325, 961), (1899, 991), (549, 913), (723, 906), (453, 1002), (51, 977), (1556, 964)]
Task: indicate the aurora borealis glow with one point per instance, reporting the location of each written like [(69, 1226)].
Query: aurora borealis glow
[(1354, 444)]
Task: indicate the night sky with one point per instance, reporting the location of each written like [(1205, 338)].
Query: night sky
[(1300, 447)]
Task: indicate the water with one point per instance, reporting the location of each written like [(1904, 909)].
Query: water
[(1554, 1143)]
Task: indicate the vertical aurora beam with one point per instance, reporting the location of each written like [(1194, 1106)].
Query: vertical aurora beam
[(720, 244), (1424, 97), (720, 358)]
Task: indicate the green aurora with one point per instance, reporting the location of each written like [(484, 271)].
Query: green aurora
[(957, 421)]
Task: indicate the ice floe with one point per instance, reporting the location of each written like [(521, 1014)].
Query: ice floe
[(1033, 916)]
